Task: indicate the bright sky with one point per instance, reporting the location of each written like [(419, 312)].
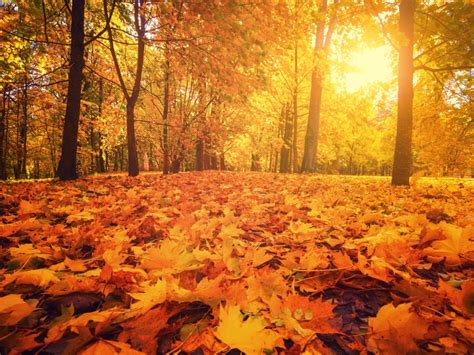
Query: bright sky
[(369, 66)]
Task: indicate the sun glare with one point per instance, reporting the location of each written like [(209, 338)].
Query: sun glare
[(369, 66)]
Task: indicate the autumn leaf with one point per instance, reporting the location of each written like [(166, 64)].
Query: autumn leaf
[(152, 295), (396, 329), (453, 248), (13, 309), (110, 347), (248, 334), (38, 277)]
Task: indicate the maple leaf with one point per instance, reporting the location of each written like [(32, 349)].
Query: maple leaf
[(456, 244), (13, 309), (246, 334), (26, 251), (57, 330), (315, 315), (395, 329), (110, 347), (152, 295), (38, 277), (75, 265), (27, 207), (230, 230)]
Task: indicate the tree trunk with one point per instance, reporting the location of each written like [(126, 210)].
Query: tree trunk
[(166, 98), (131, 98), (222, 162), (285, 149), (68, 161), (131, 139), (200, 155), (176, 165), (100, 162), (24, 131), (255, 166), (3, 135), (312, 128), (295, 113), (402, 162)]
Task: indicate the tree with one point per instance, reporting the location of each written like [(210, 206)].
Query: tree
[(131, 97), (68, 161), (323, 40), (402, 163)]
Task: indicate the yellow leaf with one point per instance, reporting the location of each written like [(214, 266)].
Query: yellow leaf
[(38, 277), (456, 244), (75, 265), (249, 336), (13, 309), (151, 296)]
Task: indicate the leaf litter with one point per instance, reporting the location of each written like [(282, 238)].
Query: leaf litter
[(218, 262)]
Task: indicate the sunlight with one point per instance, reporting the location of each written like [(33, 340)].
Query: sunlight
[(369, 66)]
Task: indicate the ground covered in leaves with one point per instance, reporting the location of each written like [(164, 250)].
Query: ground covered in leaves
[(214, 262)]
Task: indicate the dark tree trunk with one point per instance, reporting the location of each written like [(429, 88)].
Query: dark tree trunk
[(3, 135), (131, 139), (402, 163), (176, 165), (285, 149), (131, 98), (200, 155), (68, 161), (166, 99), (295, 107), (23, 132), (213, 161), (255, 166), (222, 162)]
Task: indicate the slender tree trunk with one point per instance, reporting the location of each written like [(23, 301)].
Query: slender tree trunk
[(24, 130), (222, 161), (285, 149), (131, 98), (100, 159), (166, 98), (295, 113), (131, 139), (3, 135), (68, 161), (312, 128), (402, 163), (200, 155), (295, 96)]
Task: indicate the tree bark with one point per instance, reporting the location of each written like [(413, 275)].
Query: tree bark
[(3, 135), (285, 149), (131, 140), (312, 128), (166, 99), (200, 155), (295, 113), (402, 163), (131, 98), (68, 162)]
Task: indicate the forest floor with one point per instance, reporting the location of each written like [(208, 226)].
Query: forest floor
[(209, 262)]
